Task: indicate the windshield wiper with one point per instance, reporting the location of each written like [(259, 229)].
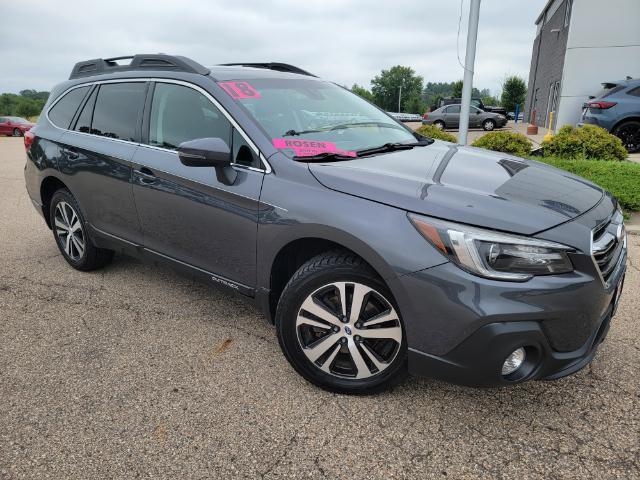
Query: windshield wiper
[(390, 147), (341, 126), (324, 157)]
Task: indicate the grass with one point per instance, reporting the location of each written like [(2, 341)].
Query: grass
[(622, 179)]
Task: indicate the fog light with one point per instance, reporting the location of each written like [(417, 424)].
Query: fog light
[(513, 361)]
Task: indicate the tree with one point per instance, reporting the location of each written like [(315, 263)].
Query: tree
[(385, 87), (415, 105), (490, 100), (514, 91), (457, 89), (363, 92)]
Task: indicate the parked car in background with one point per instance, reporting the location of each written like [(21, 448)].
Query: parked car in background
[(475, 102), (14, 126), (617, 109), (512, 116), (449, 117), (405, 117)]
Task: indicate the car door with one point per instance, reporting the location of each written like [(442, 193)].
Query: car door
[(475, 117), (452, 116), (187, 213), (97, 152)]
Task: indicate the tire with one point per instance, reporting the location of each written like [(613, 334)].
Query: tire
[(489, 125), (439, 124), (629, 133), (354, 355), (17, 132), (71, 234)]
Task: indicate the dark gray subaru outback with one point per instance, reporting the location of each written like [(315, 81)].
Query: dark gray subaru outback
[(374, 250)]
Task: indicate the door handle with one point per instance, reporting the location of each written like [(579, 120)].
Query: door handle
[(146, 176), (71, 153)]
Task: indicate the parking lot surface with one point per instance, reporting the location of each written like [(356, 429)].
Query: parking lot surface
[(136, 371)]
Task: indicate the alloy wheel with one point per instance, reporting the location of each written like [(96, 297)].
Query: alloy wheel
[(349, 330), (17, 132), (630, 136), (69, 231)]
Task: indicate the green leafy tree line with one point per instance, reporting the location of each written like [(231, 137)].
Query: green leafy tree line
[(416, 96), (28, 103)]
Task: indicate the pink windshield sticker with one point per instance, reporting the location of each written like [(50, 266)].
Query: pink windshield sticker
[(240, 89), (308, 148)]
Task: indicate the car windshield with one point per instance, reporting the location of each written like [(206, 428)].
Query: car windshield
[(311, 117), (18, 120)]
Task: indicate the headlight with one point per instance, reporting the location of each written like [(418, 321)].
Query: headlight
[(494, 255)]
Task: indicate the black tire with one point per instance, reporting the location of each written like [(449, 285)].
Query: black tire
[(489, 125), (316, 274), (439, 124), (629, 133), (17, 132), (90, 257)]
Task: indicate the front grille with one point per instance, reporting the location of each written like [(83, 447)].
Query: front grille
[(608, 244)]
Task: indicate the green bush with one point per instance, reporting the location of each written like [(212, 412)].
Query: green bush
[(622, 179), (434, 132), (586, 142), (507, 142)]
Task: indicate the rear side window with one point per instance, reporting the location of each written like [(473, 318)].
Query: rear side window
[(84, 120), (634, 92), (63, 111), (453, 109), (117, 109), (180, 114)]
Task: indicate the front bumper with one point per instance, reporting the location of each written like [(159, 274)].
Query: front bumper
[(478, 360), (461, 328)]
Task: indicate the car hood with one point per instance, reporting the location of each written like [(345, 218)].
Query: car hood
[(466, 185)]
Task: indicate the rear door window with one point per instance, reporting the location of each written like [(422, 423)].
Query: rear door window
[(117, 110), (63, 111)]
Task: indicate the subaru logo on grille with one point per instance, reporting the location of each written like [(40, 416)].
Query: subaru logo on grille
[(347, 329)]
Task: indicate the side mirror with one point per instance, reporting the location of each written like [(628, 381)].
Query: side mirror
[(209, 152)]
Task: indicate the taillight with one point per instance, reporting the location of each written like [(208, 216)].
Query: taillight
[(601, 105), (29, 137), (425, 116)]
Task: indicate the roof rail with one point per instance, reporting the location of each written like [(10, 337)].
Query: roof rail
[(280, 67), (158, 61)]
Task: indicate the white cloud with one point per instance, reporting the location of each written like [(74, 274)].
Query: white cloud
[(347, 41)]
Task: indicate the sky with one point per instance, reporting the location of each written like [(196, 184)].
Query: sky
[(346, 41)]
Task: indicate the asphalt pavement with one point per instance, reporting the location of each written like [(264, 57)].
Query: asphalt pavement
[(136, 371)]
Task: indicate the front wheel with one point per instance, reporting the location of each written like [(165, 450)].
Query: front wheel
[(488, 125), (17, 132), (339, 328), (629, 133)]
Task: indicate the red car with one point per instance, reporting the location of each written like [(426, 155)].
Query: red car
[(14, 126)]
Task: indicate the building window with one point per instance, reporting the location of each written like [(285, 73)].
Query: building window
[(567, 14)]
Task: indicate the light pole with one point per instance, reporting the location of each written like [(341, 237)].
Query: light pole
[(469, 61), (399, 97)]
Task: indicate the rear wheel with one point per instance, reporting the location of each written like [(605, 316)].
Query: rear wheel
[(70, 232), (17, 132), (488, 125), (439, 124), (629, 133), (339, 328)]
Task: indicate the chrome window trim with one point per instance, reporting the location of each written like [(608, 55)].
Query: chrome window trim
[(202, 91)]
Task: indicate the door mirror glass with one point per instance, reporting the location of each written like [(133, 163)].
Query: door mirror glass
[(205, 152)]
